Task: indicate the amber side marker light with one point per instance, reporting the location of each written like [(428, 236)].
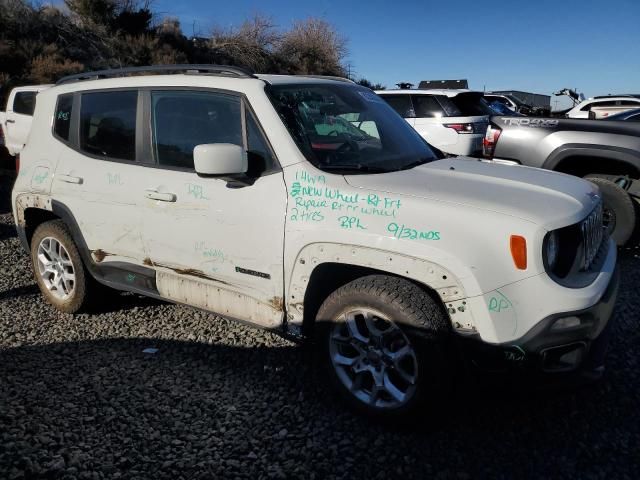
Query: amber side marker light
[(518, 246)]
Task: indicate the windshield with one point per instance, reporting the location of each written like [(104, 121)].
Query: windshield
[(348, 128)]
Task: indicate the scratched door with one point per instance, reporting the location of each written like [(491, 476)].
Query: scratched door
[(214, 245), (97, 176)]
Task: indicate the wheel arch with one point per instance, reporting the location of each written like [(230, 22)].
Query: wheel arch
[(321, 268), (581, 160)]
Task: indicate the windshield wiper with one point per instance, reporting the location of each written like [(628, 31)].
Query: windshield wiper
[(417, 163), (355, 167)]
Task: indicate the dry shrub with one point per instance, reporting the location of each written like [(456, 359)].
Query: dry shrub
[(50, 66), (313, 46)]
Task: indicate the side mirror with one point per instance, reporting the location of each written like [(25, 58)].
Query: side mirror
[(220, 159)]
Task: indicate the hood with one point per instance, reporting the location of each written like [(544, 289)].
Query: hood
[(552, 200)]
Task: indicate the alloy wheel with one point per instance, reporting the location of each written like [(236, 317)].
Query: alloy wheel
[(56, 268), (373, 358)]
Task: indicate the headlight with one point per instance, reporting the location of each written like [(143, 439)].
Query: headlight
[(551, 250)]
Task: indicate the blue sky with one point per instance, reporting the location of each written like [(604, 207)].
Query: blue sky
[(532, 45)]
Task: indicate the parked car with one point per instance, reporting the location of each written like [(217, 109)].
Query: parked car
[(582, 109), (597, 113), (452, 120), (607, 153), (15, 122), (626, 116), (511, 101), (508, 101), (499, 108), (307, 206)]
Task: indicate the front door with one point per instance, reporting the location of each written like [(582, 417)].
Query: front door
[(214, 244)]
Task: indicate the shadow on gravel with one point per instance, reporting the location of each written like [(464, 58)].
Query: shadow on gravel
[(16, 292), (7, 231), (6, 183), (117, 301), (199, 410)]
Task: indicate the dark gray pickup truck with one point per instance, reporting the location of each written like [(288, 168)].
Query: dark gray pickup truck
[(604, 152)]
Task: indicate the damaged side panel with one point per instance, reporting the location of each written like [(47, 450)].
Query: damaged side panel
[(219, 298), (447, 286)]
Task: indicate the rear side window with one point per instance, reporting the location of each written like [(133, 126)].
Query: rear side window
[(62, 120), (450, 108), (427, 107), (401, 104), (182, 120), (607, 103), (108, 124), (465, 105), (24, 103)]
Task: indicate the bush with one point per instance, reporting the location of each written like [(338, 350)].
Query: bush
[(39, 44)]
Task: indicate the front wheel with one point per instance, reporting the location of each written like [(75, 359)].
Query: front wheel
[(382, 344), (619, 210)]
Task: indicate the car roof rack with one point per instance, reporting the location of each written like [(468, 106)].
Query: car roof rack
[(328, 77), (627, 95), (183, 68)]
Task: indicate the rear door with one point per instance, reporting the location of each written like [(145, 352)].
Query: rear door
[(215, 243), (466, 118), (98, 177), (428, 121)]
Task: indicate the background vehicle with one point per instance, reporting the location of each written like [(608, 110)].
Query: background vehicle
[(309, 207), (451, 120), (597, 113), (607, 153), (16, 120), (626, 116), (526, 103), (499, 108), (582, 109)]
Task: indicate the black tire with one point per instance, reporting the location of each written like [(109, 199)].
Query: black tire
[(78, 296), (620, 210), (422, 321)]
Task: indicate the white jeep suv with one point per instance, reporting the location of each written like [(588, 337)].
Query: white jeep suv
[(309, 207), (452, 120)]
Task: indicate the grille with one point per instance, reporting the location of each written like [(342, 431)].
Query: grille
[(592, 235)]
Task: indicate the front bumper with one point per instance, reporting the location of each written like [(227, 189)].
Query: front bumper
[(581, 345)]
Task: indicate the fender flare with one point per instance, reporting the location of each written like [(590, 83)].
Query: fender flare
[(620, 154), (434, 276)]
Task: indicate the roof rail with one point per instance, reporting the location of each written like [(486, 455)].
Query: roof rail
[(627, 95), (186, 68), (329, 77)]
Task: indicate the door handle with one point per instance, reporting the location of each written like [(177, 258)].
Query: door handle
[(163, 197), (10, 121), (69, 179)]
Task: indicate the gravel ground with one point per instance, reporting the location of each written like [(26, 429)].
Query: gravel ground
[(80, 399)]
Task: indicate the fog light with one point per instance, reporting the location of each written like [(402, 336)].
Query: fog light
[(565, 323)]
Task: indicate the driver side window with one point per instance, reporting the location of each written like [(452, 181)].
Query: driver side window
[(180, 120)]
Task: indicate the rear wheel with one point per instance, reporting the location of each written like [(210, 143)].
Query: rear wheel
[(619, 210), (381, 342), (58, 268)]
